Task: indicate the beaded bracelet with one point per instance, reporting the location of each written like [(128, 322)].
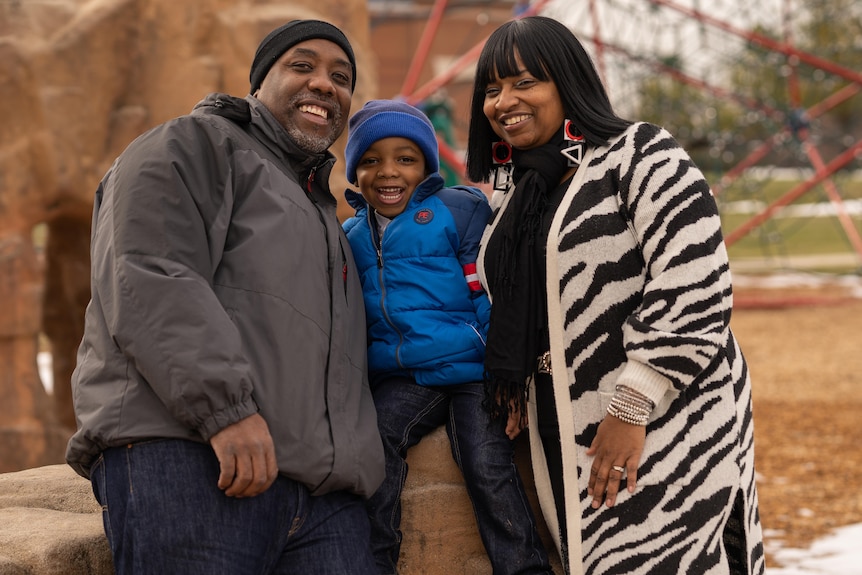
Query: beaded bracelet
[(630, 406)]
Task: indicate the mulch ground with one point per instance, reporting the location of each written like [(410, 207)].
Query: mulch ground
[(804, 349)]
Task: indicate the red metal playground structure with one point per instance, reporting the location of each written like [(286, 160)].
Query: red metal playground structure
[(624, 34)]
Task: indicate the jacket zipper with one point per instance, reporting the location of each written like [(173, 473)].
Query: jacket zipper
[(375, 239), (378, 247), (309, 190)]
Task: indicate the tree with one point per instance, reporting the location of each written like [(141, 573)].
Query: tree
[(767, 91)]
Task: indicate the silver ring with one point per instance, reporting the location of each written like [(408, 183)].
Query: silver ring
[(618, 469)]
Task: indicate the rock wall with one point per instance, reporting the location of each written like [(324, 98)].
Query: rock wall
[(81, 79), (50, 523)]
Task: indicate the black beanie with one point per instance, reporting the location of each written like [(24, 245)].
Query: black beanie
[(282, 38)]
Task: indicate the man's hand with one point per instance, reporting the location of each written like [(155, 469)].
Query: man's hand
[(246, 456)]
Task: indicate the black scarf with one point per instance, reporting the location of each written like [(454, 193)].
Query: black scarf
[(515, 281)]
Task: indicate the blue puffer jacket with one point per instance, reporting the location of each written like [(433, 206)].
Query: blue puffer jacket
[(427, 315)]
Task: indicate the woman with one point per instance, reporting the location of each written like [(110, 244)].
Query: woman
[(611, 302)]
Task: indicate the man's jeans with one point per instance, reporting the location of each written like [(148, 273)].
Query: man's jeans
[(406, 412), (164, 514)]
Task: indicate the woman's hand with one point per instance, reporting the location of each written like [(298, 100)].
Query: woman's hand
[(616, 445)]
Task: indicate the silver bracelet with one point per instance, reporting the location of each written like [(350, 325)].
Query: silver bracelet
[(630, 406)]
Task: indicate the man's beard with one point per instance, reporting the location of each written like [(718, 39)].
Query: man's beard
[(312, 143), (309, 143)]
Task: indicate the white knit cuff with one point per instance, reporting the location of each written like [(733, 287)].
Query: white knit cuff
[(645, 380)]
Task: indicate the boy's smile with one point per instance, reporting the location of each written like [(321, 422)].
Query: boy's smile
[(388, 173)]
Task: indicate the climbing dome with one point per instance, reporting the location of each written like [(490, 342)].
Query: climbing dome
[(764, 95)]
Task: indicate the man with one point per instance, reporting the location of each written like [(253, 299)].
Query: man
[(224, 415)]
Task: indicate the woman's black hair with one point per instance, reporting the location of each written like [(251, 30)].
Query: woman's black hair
[(549, 51)]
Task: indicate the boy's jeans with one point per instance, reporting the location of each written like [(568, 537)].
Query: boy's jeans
[(164, 514), (406, 412)]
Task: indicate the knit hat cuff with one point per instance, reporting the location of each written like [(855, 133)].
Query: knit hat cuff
[(388, 125), (288, 35)]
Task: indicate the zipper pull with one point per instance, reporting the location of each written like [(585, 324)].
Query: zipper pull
[(309, 182), (375, 237)]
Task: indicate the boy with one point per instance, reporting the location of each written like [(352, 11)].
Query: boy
[(416, 243)]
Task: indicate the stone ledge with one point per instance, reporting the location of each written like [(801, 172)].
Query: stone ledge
[(50, 542), (51, 524), (440, 532)]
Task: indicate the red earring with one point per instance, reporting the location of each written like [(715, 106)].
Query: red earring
[(501, 154), (574, 144)]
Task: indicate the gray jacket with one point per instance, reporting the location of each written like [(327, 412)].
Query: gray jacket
[(222, 287)]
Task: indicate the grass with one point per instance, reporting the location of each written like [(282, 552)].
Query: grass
[(769, 190), (792, 236), (788, 236)]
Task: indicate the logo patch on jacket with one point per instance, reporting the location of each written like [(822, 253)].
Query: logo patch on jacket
[(423, 216)]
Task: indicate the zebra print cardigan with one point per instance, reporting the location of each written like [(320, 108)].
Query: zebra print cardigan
[(639, 293)]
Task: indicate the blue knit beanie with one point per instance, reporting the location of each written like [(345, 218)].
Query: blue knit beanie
[(380, 119)]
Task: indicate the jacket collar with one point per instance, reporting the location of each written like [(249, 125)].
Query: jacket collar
[(427, 187), (257, 118), (275, 136)]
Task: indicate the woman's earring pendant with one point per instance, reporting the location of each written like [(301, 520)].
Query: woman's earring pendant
[(573, 144), (501, 152)]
